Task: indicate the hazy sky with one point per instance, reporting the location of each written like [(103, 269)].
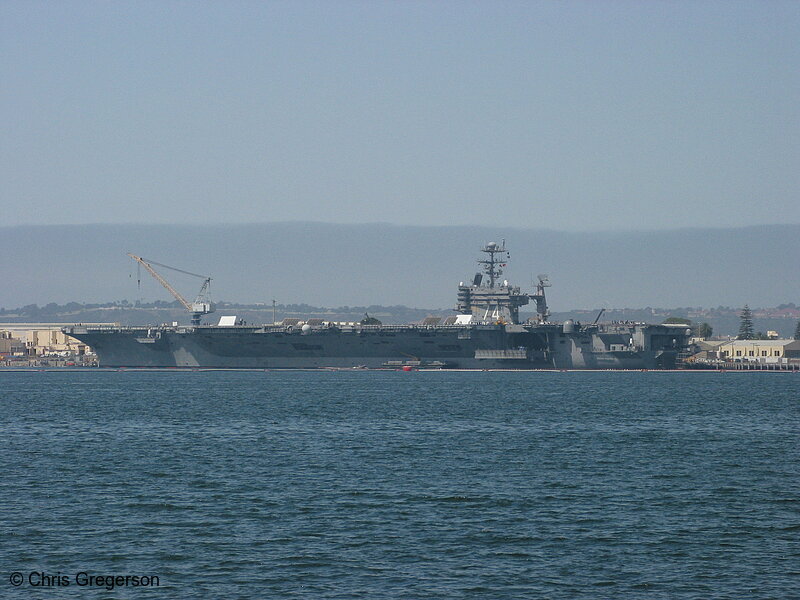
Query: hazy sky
[(563, 115)]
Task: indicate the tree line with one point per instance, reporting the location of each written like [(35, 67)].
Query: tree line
[(746, 327)]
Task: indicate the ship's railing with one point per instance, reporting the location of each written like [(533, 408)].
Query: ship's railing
[(277, 328), (519, 354), (376, 328), (121, 328)]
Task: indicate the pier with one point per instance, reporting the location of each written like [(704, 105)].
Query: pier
[(742, 366)]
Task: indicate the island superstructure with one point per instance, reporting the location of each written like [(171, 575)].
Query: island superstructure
[(485, 333)]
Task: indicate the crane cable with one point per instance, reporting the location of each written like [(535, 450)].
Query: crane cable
[(152, 262)]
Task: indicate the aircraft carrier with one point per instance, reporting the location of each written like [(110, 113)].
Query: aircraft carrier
[(484, 333)]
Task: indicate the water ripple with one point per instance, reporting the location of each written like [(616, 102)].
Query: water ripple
[(388, 485)]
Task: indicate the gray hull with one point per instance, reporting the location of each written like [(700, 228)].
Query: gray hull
[(540, 346)]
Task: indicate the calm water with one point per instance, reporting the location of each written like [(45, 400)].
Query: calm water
[(402, 485)]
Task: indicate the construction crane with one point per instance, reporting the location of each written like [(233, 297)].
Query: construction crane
[(202, 305)]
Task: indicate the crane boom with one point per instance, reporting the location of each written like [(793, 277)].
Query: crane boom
[(161, 280), (202, 304)]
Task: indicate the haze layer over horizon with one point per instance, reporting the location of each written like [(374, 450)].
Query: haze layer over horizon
[(358, 265)]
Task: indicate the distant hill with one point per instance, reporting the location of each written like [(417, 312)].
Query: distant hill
[(167, 312), (379, 264)]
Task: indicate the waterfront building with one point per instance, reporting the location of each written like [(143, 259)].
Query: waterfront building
[(40, 339), (765, 351)]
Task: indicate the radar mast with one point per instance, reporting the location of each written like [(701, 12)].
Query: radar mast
[(492, 265)]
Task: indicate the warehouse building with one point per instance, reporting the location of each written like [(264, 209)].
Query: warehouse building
[(40, 339), (765, 351)]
